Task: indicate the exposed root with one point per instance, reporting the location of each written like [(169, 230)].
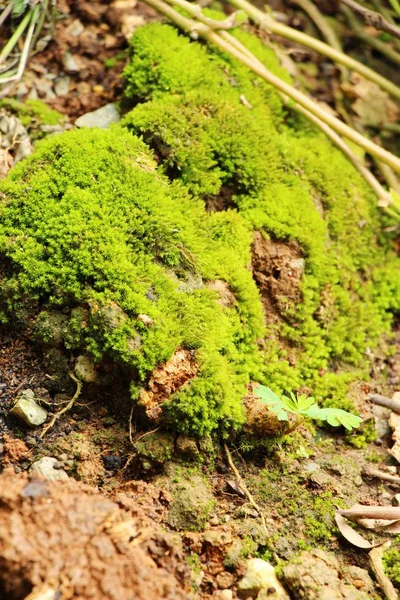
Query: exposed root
[(66, 408)]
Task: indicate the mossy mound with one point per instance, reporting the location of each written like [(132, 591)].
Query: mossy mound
[(225, 135), (89, 227)]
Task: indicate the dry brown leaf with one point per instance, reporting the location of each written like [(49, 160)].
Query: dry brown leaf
[(373, 105), (350, 534)]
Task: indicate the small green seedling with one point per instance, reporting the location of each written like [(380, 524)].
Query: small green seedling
[(305, 406)]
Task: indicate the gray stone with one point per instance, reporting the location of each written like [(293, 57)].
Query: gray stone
[(260, 575), (85, 369), (61, 85), (102, 117), (28, 410), (46, 468)]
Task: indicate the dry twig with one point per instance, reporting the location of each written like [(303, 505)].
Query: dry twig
[(373, 18), (245, 489)]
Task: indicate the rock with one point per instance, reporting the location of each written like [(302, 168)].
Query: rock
[(192, 503), (157, 448), (102, 117), (226, 595), (187, 447), (85, 369), (61, 85), (28, 410), (260, 575), (46, 468), (316, 575)]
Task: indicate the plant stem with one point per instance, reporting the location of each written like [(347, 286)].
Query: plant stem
[(373, 18), (15, 37), (267, 22), (374, 42), (196, 29), (384, 198), (318, 18)]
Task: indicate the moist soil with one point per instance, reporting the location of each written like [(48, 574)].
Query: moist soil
[(128, 522)]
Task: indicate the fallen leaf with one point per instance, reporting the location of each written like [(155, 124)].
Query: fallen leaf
[(350, 534)]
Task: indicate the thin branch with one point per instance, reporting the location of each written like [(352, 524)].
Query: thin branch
[(380, 400), (375, 43), (267, 22), (373, 18), (319, 20), (243, 486), (66, 408), (381, 475)]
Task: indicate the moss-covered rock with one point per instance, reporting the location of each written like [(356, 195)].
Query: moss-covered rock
[(224, 134), (91, 229)]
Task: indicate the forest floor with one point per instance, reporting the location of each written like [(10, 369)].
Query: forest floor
[(160, 516)]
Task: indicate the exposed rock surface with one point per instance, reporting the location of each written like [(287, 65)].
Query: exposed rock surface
[(85, 545), (28, 410)]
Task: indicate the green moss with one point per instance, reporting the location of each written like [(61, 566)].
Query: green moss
[(33, 112), (361, 438), (281, 177), (89, 226), (391, 563)]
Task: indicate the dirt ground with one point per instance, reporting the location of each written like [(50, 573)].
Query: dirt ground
[(143, 514)]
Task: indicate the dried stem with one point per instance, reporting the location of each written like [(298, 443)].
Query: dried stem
[(266, 21), (374, 42), (373, 18), (319, 20), (200, 29), (243, 486), (394, 405), (381, 475)]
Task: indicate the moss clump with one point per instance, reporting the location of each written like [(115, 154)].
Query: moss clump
[(34, 114), (391, 563), (89, 226), (222, 133)]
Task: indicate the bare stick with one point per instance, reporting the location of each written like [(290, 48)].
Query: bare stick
[(381, 475), (318, 18), (394, 405), (267, 22), (243, 486), (66, 408), (375, 559), (372, 41), (373, 18)]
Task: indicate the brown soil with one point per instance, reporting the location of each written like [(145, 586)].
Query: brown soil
[(166, 380), (98, 548), (277, 269)]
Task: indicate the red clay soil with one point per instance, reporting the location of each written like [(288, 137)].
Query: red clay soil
[(69, 537)]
